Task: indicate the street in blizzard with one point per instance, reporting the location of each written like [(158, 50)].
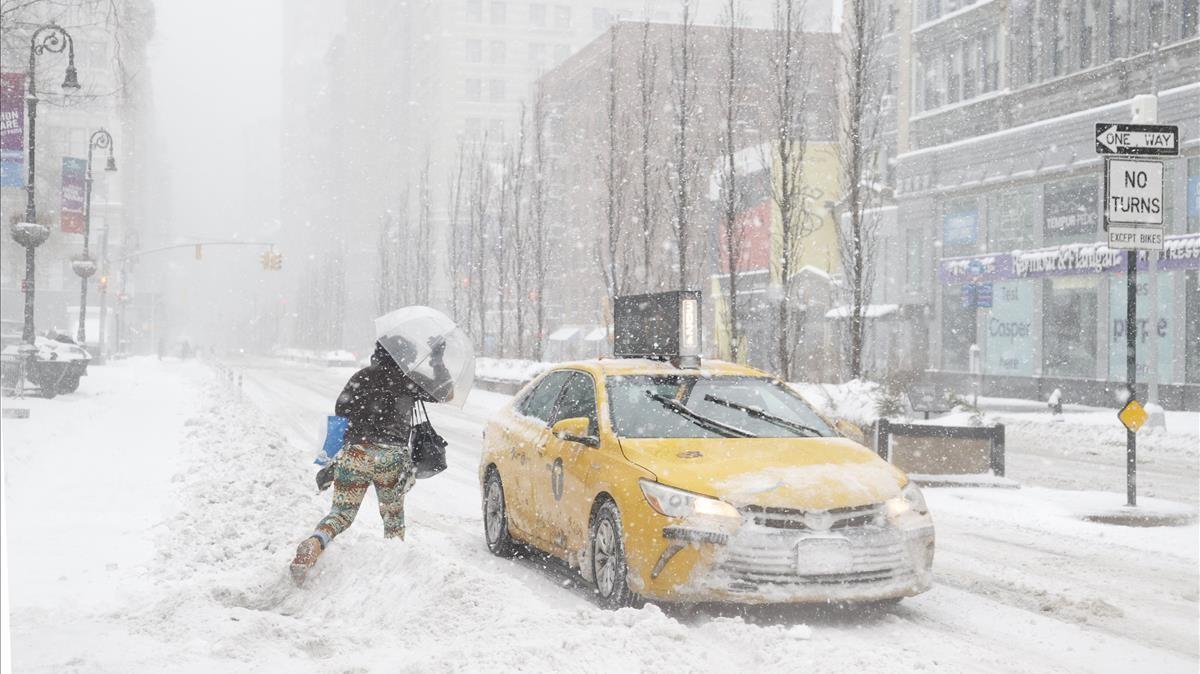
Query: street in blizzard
[(750, 335)]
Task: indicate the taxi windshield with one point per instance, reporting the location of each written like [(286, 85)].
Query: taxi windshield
[(693, 406)]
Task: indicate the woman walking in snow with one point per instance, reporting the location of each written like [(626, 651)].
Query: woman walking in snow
[(378, 403)]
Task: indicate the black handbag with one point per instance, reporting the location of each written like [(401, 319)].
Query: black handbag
[(427, 446)]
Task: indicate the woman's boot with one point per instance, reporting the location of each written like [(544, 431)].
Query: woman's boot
[(306, 556)]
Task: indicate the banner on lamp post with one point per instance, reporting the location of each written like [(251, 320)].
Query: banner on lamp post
[(70, 215), (12, 129)]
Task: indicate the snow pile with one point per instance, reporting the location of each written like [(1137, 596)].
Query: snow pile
[(853, 401)]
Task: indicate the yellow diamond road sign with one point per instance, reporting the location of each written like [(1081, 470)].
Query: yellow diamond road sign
[(1133, 415)]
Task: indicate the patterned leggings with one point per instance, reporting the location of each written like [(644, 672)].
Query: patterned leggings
[(389, 468)]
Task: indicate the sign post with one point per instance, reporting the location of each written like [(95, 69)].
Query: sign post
[(1133, 221)]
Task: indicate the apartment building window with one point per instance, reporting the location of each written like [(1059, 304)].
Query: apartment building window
[(562, 16), (1155, 29), (474, 10), (537, 15), (499, 13), (953, 64), (1062, 41), (931, 9), (1191, 19), (932, 89), (472, 127), (474, 89), (1087, 36), (914, 246), (498, 52), (990, 68), (496, 90), (971, 54), (537, 53), (474, 51), (496, 129), (1118, 26)]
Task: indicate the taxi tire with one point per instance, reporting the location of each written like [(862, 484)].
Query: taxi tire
[(606, 526), (503, 546)]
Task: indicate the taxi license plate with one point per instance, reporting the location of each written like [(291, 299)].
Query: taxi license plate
[(823, 556)]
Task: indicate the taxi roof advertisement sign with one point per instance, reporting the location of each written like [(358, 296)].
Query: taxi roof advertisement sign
[(657, 325)]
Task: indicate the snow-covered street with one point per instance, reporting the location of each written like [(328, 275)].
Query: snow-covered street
[(151, 518)]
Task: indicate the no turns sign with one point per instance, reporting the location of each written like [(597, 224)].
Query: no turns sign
[(1133, 191)]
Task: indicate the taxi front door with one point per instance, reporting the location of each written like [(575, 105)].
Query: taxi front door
[(525, 439), (561, 493)]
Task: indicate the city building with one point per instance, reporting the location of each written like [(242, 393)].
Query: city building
[(999, 263), (110, 42)]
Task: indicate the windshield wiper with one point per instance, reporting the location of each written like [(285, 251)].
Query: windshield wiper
[(698, 419), (761, 415)]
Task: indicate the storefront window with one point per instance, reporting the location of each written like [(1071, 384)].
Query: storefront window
[(1192, 329), (1069, 328), (1009, 331), (1193, 195), (958, 330), (1071, 207), (1013, 219), (1164, 328), (960, 227)]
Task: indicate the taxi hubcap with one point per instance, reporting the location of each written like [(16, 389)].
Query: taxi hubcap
[(495, 512), (606, 557)]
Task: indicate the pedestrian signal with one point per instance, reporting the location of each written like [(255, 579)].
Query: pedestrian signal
[(199, 252)]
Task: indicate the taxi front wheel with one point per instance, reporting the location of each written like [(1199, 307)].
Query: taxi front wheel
[(495, 517), (609, 568)]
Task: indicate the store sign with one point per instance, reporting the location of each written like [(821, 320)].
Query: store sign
[(70, 214), (1070, 207), (1179, 252), (12, 129)]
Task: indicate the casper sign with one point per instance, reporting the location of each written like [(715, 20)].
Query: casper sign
[(1133, 191)]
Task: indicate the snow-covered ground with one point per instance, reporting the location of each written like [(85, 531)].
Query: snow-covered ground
[(151, 517)]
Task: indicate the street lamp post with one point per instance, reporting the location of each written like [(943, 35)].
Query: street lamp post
[(84, 266), (48, 38)]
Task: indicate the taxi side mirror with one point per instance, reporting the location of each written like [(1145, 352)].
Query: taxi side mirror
[(575, 429), (850, 430)]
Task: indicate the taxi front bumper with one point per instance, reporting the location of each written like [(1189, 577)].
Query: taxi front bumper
[(757, 564)]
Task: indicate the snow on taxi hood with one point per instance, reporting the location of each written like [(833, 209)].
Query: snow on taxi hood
[(800, 473)]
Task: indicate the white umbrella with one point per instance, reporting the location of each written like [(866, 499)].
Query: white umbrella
[(410, 335)]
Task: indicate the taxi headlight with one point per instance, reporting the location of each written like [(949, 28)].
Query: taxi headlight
[(910, 500), (679, 503)]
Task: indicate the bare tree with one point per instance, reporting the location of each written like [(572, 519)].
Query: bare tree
[(520, 237), (730, 95), (647, 196), (613, 177), (423, 259), (861, 95), (683, 160), (788, 85), (458, 244), (537, 208), (388, 250), (478, 220)]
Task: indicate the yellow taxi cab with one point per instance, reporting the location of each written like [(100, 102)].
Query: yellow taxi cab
[(708, 483)]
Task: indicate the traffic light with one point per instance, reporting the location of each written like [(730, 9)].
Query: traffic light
[(104, 282), (199, 252), (265, 260), (276, 261)]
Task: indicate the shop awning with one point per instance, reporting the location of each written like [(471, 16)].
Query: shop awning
[(869, 311), (563, 334), (596, 335)]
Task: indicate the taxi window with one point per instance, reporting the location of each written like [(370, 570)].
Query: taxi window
[(538, 402), (578, 399), (753, 407)]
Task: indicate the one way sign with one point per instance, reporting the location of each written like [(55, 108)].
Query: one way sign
[(1145, 139)]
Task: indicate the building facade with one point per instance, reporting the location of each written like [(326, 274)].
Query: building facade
[(1001, 261), (110, 43)]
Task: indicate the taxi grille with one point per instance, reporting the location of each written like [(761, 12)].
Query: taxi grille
[(777, 564), (795, 520)]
